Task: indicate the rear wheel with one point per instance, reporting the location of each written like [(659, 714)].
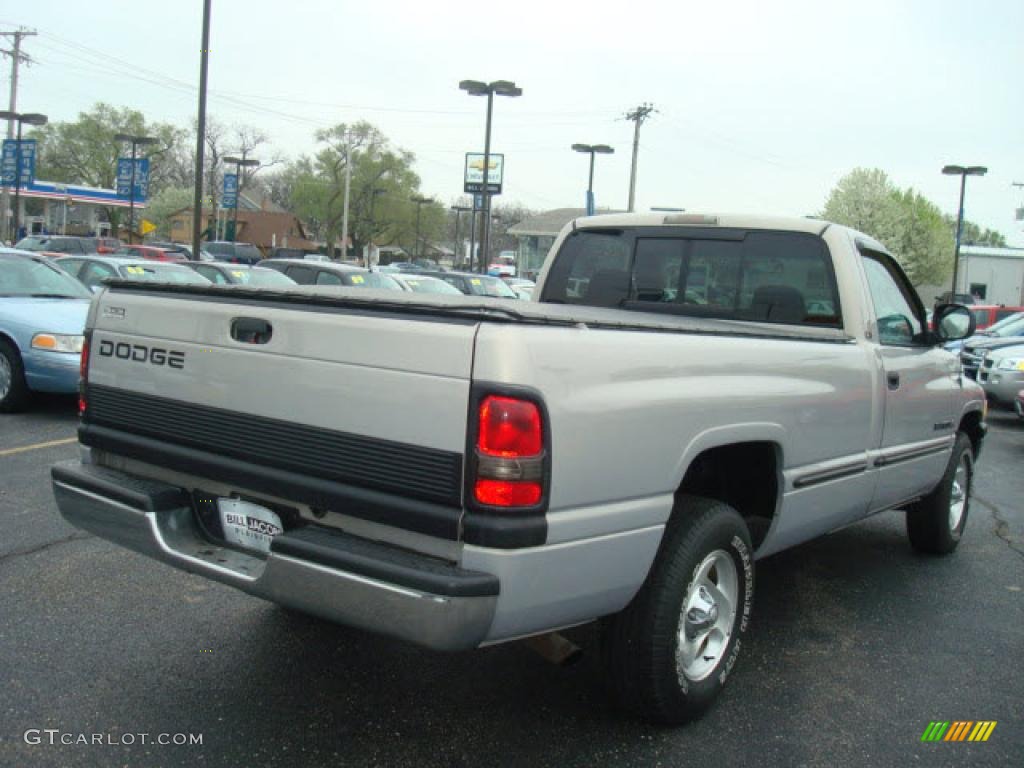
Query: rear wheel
[(936, 523), (671, 650), (13, 389)]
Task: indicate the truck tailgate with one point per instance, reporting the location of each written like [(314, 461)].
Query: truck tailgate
[(359, 399)]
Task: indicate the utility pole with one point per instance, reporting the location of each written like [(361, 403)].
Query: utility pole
[(204, 65), (638, 116), (348, 185), (16, 58)]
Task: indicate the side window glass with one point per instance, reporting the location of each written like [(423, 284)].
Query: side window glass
[(96, 273), (301, 275), (71, 266), (328, 278), (898, 323)]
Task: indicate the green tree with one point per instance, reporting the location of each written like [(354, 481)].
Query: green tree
[(84, 151), (972, 234), (381, 187), (166, 202), (904, 221)]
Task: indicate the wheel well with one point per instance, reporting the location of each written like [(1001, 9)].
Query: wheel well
[(9, 340), (970, 425), (744, 476)]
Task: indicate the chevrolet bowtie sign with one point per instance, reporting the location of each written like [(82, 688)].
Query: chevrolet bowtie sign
[(474, 180)]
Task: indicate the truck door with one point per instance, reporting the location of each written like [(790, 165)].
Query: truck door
[(918, 380)]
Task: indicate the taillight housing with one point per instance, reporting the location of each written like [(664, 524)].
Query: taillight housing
[(510, 466), (83, 376)]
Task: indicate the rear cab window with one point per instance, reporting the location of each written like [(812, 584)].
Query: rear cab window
[(756, 275)]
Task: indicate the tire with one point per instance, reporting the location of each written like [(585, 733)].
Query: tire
[(936, 523), (13, 389), (706, 544)]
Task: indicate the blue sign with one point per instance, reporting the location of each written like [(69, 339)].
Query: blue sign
[(478, 202), (124, 178), (590, 203), (229, 198), (13, 160)]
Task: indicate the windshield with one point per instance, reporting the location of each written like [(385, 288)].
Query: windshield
[(495, 287), (370, 280), (159, 272), (429, 285), (262, 277), (32, 243), (28, 277)]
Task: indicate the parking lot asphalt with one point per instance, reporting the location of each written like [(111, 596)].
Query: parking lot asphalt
[(858, 643)]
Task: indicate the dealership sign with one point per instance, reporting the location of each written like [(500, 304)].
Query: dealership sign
[(474, 180)]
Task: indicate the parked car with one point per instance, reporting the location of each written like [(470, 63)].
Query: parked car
[(296, 253), (420, 283), (91, 271), (235, 253), (224, 273), (107, 245), (306, 272), (986, 315), (1002, 374), (1006, 333), (183, 248), (472, 284), (151, 252), (955, 298), (478, 472), (42, 321), (522, 287), (57, 245)]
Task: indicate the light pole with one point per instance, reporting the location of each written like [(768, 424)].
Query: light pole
[(32, 118), (136, 142), (459, 209), (419, 204), (592, 149), (963, 172), (204, 67), (478, 88), (239, 163)]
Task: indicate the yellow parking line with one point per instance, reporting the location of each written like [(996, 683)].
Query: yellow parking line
[(37, 446)]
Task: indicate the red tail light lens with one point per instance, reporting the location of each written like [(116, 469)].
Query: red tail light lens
[(510, 428), (83, 377), (510, 453), (506, 493)]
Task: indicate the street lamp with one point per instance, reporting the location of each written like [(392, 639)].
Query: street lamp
[(963, 172), (31, 118), (136, 142), (239, 163), (419, 204), (478, 88), (592, 149), (459, 209)]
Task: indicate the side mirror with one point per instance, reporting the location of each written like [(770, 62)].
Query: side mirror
[(953, 322)]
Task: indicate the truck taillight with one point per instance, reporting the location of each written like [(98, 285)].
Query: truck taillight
[(509, 453), (83, 377)]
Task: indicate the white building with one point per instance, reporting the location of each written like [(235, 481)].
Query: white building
[(992, 275)]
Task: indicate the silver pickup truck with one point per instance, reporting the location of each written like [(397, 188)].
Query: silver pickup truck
[(685, 394)]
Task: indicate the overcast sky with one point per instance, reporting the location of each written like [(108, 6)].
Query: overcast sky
[(762, 106)]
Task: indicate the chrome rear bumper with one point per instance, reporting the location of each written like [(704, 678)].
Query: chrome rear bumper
[(333, 575)]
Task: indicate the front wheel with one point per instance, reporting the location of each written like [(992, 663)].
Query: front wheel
[(936, 523), (672, 648)]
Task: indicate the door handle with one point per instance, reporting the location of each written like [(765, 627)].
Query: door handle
[(251, 330), (893, 380)]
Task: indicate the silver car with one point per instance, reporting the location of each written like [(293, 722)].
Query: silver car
[(1002, 374)]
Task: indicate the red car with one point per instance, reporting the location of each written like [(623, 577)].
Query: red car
[(107, 244), (990, 314), (151, 252)]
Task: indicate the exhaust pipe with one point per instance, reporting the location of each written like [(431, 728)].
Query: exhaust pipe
[(556, 648)]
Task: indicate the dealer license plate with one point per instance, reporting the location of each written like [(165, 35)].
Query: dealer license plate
[(248, 525)]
